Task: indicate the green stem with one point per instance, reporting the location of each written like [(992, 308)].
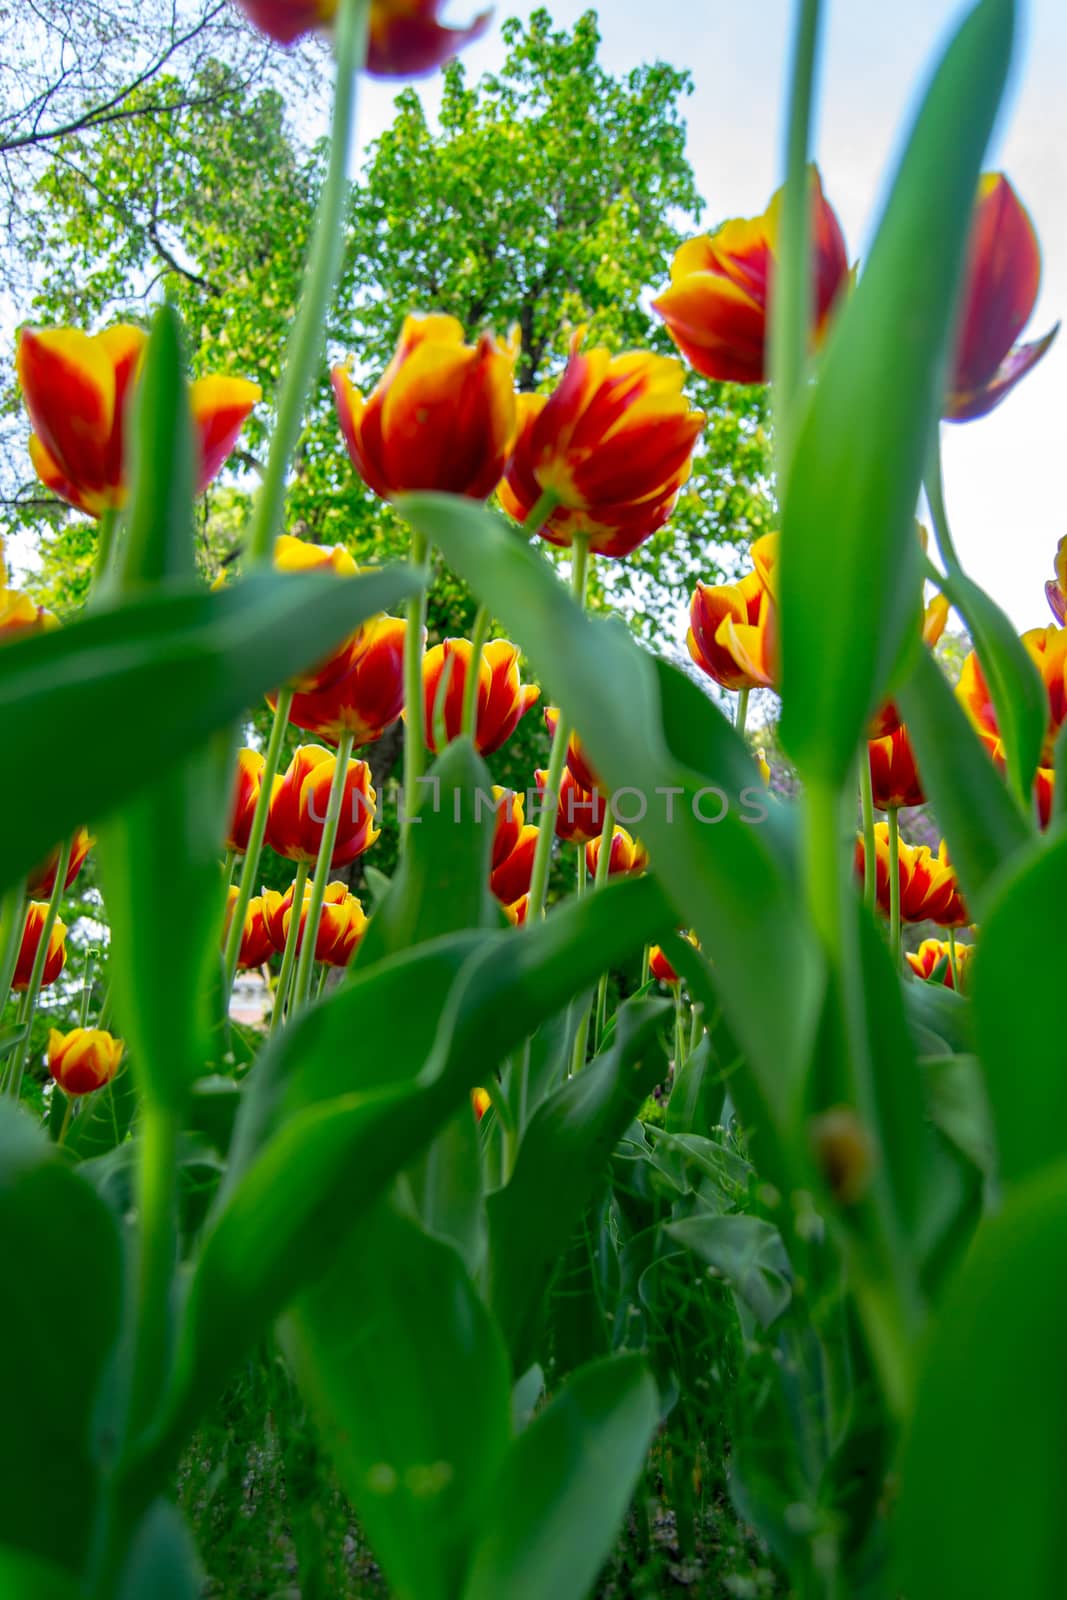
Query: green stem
[(479, 634), (741, 711), (557, 757), (228, 866), (646, 969), (953, 962), (289, 955), (697, 1031), (87, 987), (791, 300), (540, 512), (106, 524), (157, 1186), (12, 923), (414, 719), (935, 499), (250, 866), (324, 262), (33, 988), (68, 1112), (302, 980), (105, 1009), (679, 1030), (894, 882), (870, 865)]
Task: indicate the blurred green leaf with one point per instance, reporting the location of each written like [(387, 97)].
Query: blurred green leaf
[(104, 1122), (982, 822), (1015, 987), (408, 1376), (162, 1562), (748, 1253), (169, 670), (24, 1577), (563, 1152), (551, 1517), (849, 577), (62, 1260), (985, 1447)]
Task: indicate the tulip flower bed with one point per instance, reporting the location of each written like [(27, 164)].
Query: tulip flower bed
[(676, 1212)]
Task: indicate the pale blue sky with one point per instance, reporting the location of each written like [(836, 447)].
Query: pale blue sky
[(1006, 476)]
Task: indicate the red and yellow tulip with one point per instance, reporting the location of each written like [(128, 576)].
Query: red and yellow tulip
[(660, 967), (579, 813), (929, 891), (405, 40), (342, 922), (894, 776), (441, 417), (247, 783), (1047, 648), (509, 819), (481, 1100), (1001, 280), (256, 945), (83, 1059), (717, 306), (925, 961), (77, 388), (578, 763), (19, 615), (626, 855), (733, 627), (33, 928), (501, 702), (42, 879), (614, 444), (368, 697), (299, 802), (297, 555), (510, 878)]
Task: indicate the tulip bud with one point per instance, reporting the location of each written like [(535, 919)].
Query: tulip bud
[(480, 1103), (299, 805), (42, 879), (660, 967), (245, 799), (894, 776), (510, 880), (925, 961), (84, 1059), (442, 416), (256, 946), (501, 700), (368, 696), (509, 812), (627, 855), (577, 756), (579, 813), (342, 922), (33, 928)]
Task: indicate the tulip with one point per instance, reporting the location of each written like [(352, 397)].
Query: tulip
[(894, 776), (717, 306), (245, 799), (626, 856), (733, 631), (297, 555), (405, 39), (929, 956), (481, 1100), (368, 698), (660, 967), (42, 879), (510, 878), (84, 1059), (256, 945), (516, 912), (299, 802), (613, 444), (579, 813), (19, 615), (1047, 648), (77, 388), (36, 913), (1001, 279), (342, 922), (509, 812), (502, 701), (578, 762), (929, 891), (441, 417)]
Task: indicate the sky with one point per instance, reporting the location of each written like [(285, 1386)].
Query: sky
[(1005, 475)]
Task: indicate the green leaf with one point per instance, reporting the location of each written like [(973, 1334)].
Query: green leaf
[(1015, 988), (653, 734), (62, 1260), (563, 1152), (170, 670), (104, 1122), (1020, 702), (748, 1253), (849, 579), (162, 1561), (552, 1516), (24, 1577), (972, 1462), (982, 821), (157, 537), (345, 1123), (408, 1376), (697, 1093)]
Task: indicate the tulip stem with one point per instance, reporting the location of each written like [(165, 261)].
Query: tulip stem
[(87, 986), (254, 848), (33, 988), (953, 960), (228, 866), (680, 1031), (791, 298), (289, 955), (479, 634), (540, 512), (323, 865), (741, 711), (547, 823), (68, 1113), (157, 1184), (414, 711), (870, 864), (697, 1031), (12, 922), (324, 263), (893, 817), (106, 524), (646, 965), (933, 484)]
